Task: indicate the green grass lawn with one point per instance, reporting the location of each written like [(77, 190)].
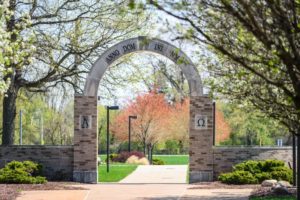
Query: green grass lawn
[(173, 159), (116, 172), (168, 159), (273, 198)]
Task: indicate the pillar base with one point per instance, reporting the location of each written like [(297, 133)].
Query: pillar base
[(200, 176), (85, 176)]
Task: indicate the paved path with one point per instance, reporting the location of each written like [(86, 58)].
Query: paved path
[(138, 192), (145, 183), (216, 194), (158, 174), (54, 195)]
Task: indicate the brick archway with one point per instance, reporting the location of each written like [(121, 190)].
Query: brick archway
[(85, 112)]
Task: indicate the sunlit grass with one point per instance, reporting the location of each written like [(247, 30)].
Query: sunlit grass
[(116, 172)]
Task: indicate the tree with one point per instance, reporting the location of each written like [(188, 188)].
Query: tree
[(249, 126), (102, 127), (223, 129), (151, 110), (255, 48), (256, 44), (177, 126), (53, 43), (4, 43)]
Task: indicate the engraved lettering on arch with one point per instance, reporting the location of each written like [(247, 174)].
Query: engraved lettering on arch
[(175, 55), (129, 47), (158, 47), (177, 58), (112, 56)]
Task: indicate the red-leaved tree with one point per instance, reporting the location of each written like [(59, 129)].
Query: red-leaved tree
[(152, 111), (177, 125), (223, 129)]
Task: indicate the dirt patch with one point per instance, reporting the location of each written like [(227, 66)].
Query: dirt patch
[(11, 191), (217, 184)]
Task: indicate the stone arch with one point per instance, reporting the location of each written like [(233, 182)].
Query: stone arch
[(143, 44), (85, 112)]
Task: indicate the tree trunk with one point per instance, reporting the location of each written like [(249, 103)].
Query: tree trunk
[(148, 152), (294, 160), (144, 143), (180, 144), (151, 153), (9, 115), (298, 166)]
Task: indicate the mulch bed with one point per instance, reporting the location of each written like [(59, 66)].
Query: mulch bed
[(11, 191), (267, 191), (258, 191)]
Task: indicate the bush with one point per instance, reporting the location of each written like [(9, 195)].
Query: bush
[(249, 166), (157, 161), (123, 156), (132, 160), (135, 160), (112, 156), (259, 170), (282, 175), (22, 172), (269, 165), (238, 177), (143, 161), (263, 176)]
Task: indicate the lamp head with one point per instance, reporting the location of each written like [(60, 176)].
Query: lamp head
[(133, 116), (113, 107)]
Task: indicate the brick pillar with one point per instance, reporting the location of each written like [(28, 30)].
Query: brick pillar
[(85, 139), (201, 139)]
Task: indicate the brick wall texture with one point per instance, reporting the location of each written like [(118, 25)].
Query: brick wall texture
[(57, 161), (201, 141), (85, 140), (226, 157)]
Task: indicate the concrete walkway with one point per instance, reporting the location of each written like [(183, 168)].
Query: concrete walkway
[(158, 174), (138, 192), (166, 182)]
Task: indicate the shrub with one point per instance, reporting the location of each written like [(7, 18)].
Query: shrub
[(249, 166), (132, 160), (157, 161), (135, 160), (143, 161), (262, 176), (282, 175), (113, 156), (123, 156), (260, 171), (269, 165), (22, 172), (238, 177)]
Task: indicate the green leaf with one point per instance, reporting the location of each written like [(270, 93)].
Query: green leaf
[(131, 4)]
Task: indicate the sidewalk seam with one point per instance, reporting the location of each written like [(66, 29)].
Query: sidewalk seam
[(87, 195), (182, 194)]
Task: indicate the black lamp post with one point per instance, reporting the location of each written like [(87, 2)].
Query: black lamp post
[(129, 130), (107, 134)]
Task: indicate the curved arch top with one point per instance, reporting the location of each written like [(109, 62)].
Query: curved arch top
[(143, 44)]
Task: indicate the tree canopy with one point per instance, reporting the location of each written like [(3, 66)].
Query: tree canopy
[(53, 43), (253, 49)]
